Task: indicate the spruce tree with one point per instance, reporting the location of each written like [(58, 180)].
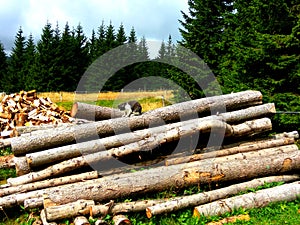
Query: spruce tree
[(14, 82), (3, 66), (30, 57), (121, 36)]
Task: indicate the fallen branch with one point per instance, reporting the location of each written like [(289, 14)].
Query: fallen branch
[(286, 192)]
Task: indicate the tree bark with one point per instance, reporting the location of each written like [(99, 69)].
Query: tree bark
[(80, 207), (69, 151), (48, 183), (178, 203), (179, 111), (94, 112), (143, 145), (286, 192), (44, 220), (245, 147), (162, 178)]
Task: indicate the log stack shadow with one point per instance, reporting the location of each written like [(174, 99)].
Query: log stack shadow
[(83, 169)]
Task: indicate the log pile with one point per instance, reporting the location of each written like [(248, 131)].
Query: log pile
[(72, 173), (26, 109)]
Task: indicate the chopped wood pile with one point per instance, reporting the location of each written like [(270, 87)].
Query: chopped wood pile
[(26, 109), (72, 173)]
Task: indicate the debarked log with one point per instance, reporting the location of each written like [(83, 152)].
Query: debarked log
[(80, 207), (48, 183), (70, 151), (245, 147), (286, 192), (94, 112), (147, 144), (162, 178), (180, 111), (178, 203)]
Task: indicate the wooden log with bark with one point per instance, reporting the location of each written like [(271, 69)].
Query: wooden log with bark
[(7, 161), (181, 202), (94, 112), (286, 192), (69, 151), (245, 147), (80, 207), (247, 128), (81, 220), (179, 111), (163, 178), (48, 183)]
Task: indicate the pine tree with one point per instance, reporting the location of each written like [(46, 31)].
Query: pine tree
[(110, 40), (30, 57), (203, 28), (14, 82), (3, 66), (121, 36)]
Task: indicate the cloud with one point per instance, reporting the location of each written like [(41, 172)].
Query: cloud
[(152, 19)]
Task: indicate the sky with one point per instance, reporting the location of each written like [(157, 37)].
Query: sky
[(153, 19)]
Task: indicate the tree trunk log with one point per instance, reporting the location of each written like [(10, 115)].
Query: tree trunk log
[(80, 207), (162, 178), (81, 220), (48, 183), (121, 220), (183, 111), (21, 165), (7, 161), (245, 147), (94, 112), (44, 220), (286, 192), (74, 150), (178, 203), (147, 144)]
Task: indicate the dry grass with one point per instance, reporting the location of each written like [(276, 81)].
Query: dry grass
[(124, 96)]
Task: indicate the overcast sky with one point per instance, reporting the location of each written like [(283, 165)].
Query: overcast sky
[(154, 19)]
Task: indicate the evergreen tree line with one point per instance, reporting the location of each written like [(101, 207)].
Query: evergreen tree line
[(250, 45), (60, 58)]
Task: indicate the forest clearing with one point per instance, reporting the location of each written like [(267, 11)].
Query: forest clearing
[(57, 180)]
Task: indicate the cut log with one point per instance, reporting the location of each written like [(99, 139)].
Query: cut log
[(21, 165), (286, 192), (246, 147), (70, 151), (184, 111), (48, 183), (33, 203), (143, 139), (44, 220), (94, 112), (178, 203), (162, 178), (80, 207), (121, 220), (7, 161), (81, 220), (143, 145)]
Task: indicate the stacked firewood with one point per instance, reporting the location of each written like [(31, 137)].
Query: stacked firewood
[(26, 109), (50, 164)]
